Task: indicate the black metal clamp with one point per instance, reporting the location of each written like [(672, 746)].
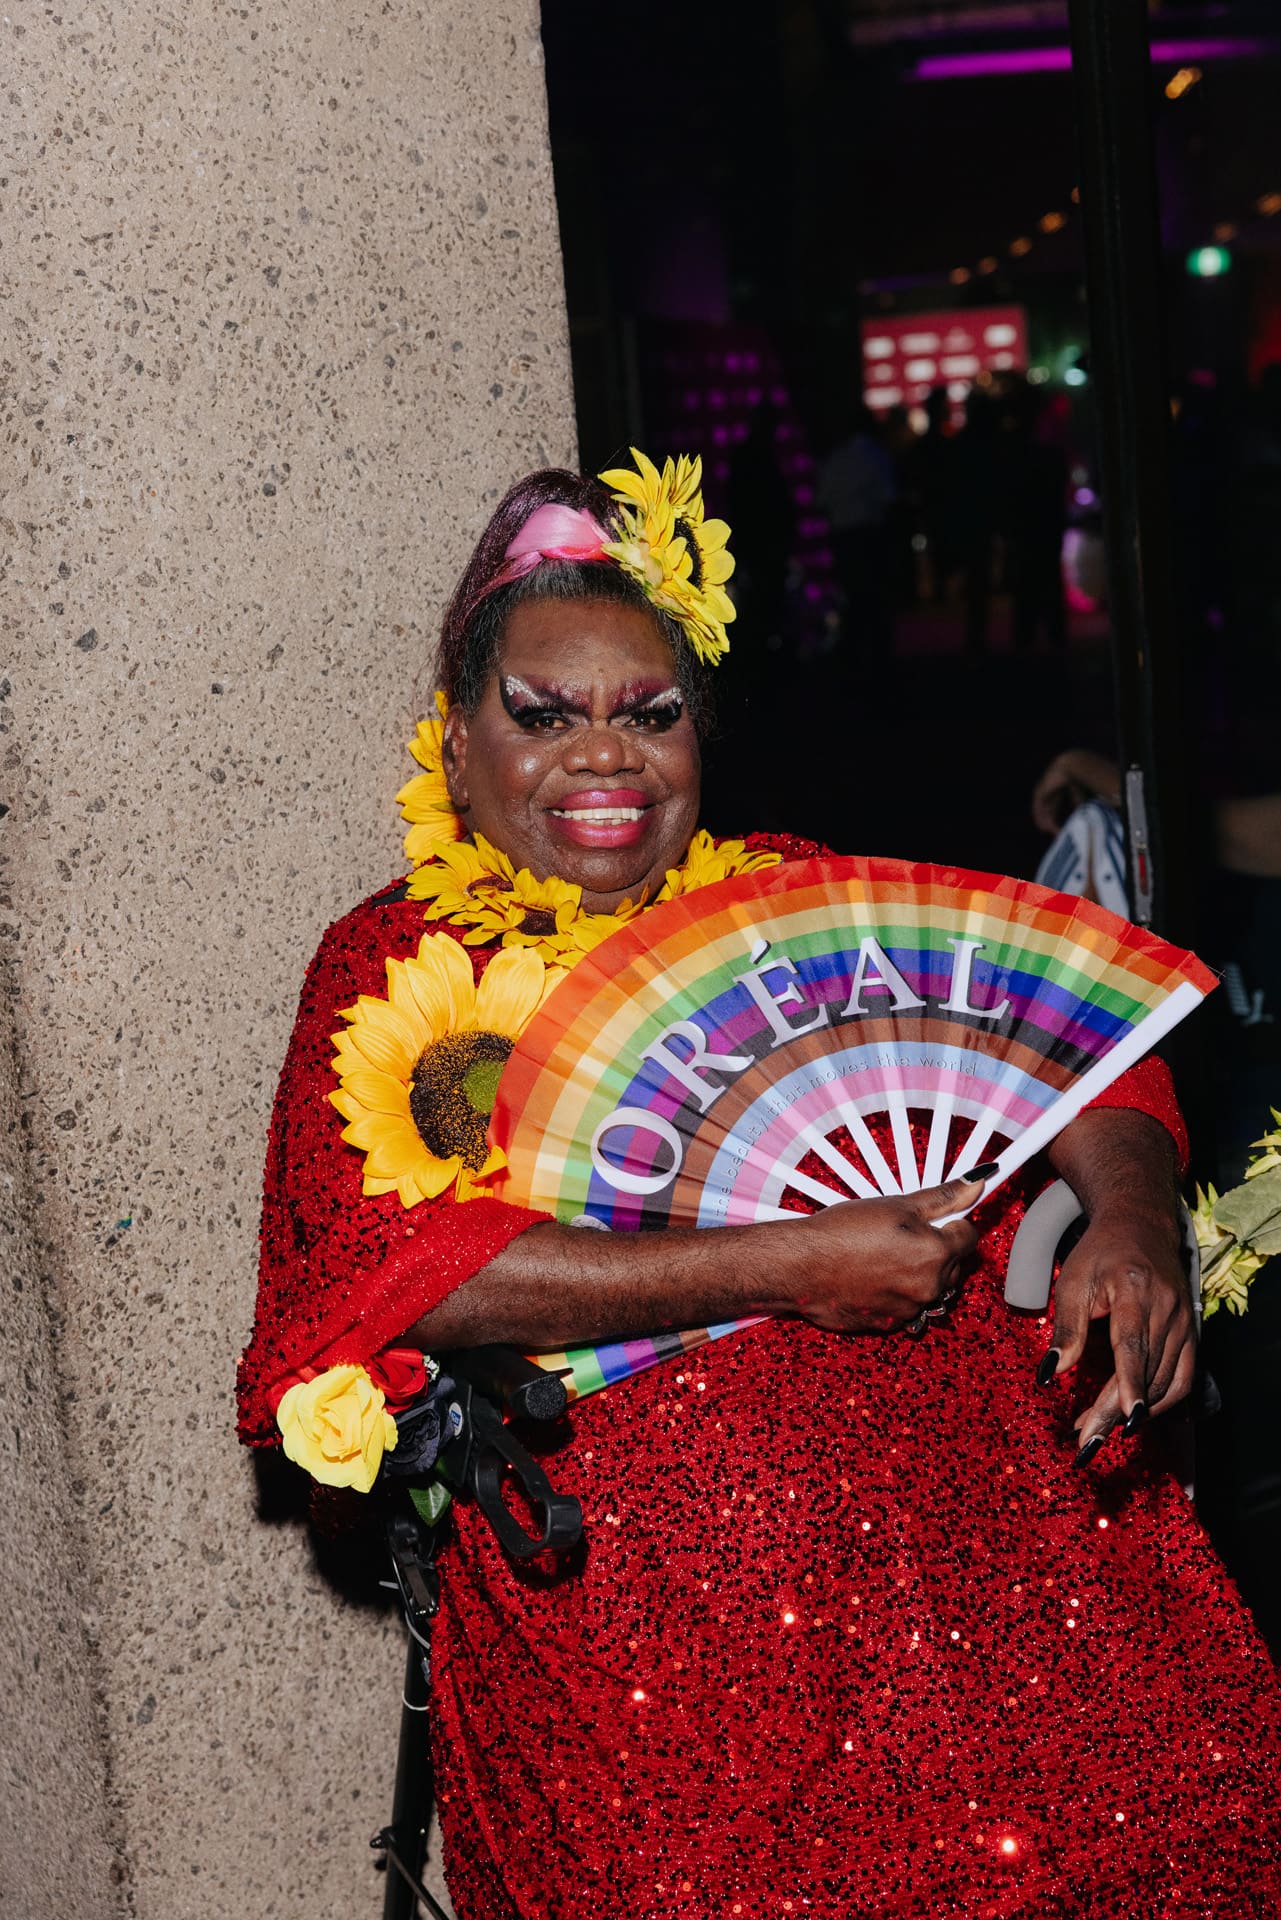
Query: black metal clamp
[(485, 1450)]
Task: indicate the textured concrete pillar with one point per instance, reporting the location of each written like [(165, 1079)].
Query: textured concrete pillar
[(283, 315), (55, 1839)]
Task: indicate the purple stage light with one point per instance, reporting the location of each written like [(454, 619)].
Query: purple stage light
[(971, 66)]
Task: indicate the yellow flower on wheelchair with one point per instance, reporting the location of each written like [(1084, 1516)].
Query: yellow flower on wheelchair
[(337, 1428)]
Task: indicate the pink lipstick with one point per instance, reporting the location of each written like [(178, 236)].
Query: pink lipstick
[(602, 816)]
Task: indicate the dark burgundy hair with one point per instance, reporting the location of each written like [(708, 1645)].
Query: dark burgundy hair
[(472, 628)]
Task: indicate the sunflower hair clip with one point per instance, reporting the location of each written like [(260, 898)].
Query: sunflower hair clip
[(665, 543)]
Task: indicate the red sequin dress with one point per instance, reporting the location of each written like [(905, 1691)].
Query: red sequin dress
[(847, 1635)]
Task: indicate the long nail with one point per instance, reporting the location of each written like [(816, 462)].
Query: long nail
[(1048, 1368), (1089, 1450), (1138, 1414), (984, 1170)]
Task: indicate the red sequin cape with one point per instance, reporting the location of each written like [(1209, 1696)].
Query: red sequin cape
[(847, 1635)]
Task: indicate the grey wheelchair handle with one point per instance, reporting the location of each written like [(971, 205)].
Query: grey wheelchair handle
[(1031, 1269)]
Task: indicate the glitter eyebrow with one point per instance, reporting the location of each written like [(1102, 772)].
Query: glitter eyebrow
[(521, 697), (642, 699)]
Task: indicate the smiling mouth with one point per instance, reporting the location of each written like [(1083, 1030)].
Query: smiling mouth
[(606, 815)]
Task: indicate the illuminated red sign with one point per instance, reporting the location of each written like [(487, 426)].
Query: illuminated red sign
[(905, 356)]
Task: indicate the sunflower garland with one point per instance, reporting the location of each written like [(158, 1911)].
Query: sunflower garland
[(705, 863), (680, 558), (474, 886), (419, 1070)]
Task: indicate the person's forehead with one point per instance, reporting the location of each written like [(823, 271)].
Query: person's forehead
[(585, 643)]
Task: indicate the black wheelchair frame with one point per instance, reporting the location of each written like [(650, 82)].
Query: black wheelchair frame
[(493, 1387)]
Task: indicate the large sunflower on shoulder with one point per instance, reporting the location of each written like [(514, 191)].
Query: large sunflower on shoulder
[(679, 557), (419, 1070)]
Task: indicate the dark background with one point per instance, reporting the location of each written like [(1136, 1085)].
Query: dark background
[(742, 190)]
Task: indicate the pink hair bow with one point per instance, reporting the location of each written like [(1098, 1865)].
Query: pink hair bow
[(554, 533)]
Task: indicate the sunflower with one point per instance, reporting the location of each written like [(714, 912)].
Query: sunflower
[(589, 929), (420, 1069), (680, 558), (478, 887), (424, 800), (705, 863), (467, 885)]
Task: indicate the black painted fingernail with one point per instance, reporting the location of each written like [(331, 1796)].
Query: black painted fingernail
[(1138, 1414), (1048, 1368), (1089, 1450), (984, 1170)]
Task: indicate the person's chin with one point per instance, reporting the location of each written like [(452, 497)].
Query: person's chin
[(610, 873)]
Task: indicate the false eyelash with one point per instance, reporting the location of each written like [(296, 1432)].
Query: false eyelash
[(668, 710)]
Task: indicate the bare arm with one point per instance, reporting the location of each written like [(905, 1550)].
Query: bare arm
[(1071, 779), (1127, 1266), (865, 1266), (1248, 835)]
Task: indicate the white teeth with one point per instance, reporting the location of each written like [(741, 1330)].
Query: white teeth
[(599, 813)]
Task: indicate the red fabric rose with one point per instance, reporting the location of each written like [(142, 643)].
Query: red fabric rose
[(401, 1372)]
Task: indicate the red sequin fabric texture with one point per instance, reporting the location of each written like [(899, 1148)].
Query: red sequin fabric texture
[(847, 1635)]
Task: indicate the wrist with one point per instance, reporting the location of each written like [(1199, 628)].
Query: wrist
[(770, 1267), (1151, 1219)]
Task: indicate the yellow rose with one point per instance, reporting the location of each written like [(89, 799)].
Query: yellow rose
[(336, 1427)]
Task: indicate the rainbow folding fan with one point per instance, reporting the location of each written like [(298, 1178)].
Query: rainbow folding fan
[(825, 1030)]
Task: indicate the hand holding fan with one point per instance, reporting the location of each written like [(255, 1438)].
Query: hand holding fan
[(699, 1066)]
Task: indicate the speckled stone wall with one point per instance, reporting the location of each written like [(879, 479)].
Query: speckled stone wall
[(52, 1753), (283, 315)]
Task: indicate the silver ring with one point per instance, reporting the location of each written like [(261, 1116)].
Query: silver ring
[(939, 1311)]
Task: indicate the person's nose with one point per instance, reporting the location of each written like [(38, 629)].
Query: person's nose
[(602, 749)]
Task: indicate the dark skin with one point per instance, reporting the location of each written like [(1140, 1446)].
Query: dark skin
[(584, 700), (1127, 1266)]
